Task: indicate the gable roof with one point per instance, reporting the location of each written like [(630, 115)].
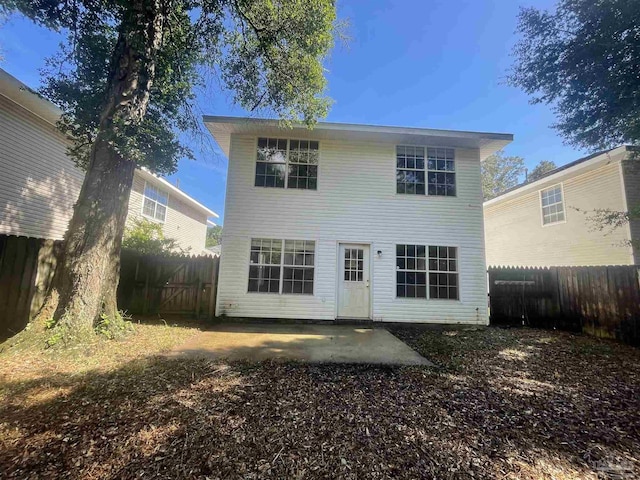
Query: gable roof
[(21, 94), (223, 127), (579, 165)]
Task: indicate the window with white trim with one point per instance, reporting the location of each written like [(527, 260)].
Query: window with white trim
[(411, 271), (283, 163), (552, 205), (154, 202), (435, 177), (443, 272), (282, 266), (422, 270)]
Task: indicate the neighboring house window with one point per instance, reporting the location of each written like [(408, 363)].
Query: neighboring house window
[(284, 163), (552, 205), (443, 272), (154, 203), (270, 269), (415, 271), (411, 274), (439, 176)]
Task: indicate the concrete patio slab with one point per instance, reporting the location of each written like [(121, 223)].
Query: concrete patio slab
[(307, 343)]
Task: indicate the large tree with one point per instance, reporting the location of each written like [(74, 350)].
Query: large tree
[(125, 79), (499, 173), (583, 59)]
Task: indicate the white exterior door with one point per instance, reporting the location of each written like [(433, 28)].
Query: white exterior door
[(354, 292)]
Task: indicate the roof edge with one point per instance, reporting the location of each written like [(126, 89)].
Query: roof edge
[(360, 127), (575, 165), (176, 191)]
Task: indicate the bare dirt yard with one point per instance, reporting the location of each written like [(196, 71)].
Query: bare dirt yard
[(502, 404)]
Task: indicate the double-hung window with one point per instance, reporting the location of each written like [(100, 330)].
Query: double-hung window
[(282, 163), (552, 205), (154, 203), (436, 176), (282, 266), (443, 272), (422, 269)]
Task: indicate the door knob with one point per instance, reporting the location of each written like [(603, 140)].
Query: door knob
[(367, 283)]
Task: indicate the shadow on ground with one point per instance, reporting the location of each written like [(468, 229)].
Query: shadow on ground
[(520, 405)]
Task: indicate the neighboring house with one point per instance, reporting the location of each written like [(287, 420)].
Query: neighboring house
[(353, 221), (39, 183), (546, 222)]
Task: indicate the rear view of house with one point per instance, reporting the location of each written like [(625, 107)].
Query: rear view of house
[(353, 222), (549, 222)]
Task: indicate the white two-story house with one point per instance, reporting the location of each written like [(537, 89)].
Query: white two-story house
[(353, 222)]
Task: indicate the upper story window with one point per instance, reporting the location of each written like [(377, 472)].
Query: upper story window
[(436, 176), (552, 205), (154, 203), (283, 163)]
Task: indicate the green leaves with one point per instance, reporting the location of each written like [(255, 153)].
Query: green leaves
[(269, 54), (147, 238), (583, 59), (499, 173)]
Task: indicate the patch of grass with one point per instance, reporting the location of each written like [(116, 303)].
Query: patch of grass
[(25, 358)]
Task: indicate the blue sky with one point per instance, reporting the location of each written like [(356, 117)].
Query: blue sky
[(434, 64)]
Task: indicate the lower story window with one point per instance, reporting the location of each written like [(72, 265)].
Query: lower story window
[(443, 272), (282, 266), (421, 269)]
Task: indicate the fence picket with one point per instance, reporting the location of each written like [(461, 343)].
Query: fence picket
[(603, 301), (27, 265)]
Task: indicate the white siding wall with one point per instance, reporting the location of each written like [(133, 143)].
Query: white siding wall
[(515, 235), (355, 202), (631, 169), (185, 224), (38, 183)]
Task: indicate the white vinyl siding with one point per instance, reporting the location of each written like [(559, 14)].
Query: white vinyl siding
[(357, 203), (39, 184), (515, 234), (184, 223)]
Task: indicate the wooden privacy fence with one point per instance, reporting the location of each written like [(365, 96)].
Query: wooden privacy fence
[(26, 270), (148, 284), (175, 284), (603, 301)]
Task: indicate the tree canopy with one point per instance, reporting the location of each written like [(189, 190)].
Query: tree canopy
[(268, 54), (499, 173), (583, 58), (540, 170), (214, 236)]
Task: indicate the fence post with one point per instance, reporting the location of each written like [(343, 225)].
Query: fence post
[(215, 262)]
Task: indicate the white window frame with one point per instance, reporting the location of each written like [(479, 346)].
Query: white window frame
[(144, 197), (564, 210), (283, 265), (426, 170), (428, 271), (287, 163)]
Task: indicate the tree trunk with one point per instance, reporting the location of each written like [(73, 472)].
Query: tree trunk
[(86, 281)]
